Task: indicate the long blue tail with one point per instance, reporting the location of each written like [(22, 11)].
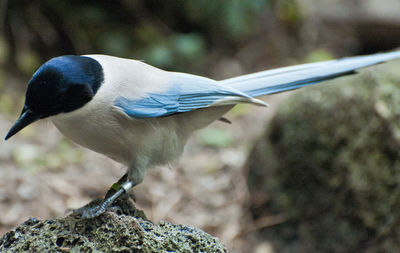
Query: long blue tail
[(294, 77)]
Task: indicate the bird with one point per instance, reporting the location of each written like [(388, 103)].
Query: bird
[(142, 116)]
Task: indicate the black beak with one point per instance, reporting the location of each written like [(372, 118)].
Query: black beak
[(27, 117)]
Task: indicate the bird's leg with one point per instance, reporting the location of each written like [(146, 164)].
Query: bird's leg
[(125, 187), (122, 186), (116, 186), (134, 176)]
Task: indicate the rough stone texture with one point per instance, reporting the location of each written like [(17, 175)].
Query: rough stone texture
[(330, 162), (117, 231)]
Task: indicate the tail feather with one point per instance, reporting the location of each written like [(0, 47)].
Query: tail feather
[(294, 77)]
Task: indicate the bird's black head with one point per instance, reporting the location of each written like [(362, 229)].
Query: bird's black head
[(63, 84)]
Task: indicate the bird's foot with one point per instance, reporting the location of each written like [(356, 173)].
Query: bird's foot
[(91, 210), (99, 206)]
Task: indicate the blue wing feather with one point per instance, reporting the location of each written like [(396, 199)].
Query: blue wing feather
[(186, 93)]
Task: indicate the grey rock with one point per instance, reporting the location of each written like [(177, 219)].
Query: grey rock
[(113, 231)]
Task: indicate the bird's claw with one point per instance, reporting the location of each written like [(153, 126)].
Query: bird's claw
[(92, 209), (92, 212)]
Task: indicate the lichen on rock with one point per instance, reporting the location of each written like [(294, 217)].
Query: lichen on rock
[(113, 231)]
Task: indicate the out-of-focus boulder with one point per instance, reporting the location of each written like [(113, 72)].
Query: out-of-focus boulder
[(330, 162)]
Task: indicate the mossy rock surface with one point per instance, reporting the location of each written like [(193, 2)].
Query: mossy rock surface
[(330, 162), (110, 232)]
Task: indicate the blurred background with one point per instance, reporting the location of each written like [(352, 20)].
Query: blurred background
[(43, 175)]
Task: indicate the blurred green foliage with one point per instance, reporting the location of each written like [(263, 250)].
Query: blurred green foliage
[(169, 34), (240, 109), (319, 55), (35, 158), (215, 137)]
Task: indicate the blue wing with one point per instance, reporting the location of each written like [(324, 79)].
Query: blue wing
[(185, 93)]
